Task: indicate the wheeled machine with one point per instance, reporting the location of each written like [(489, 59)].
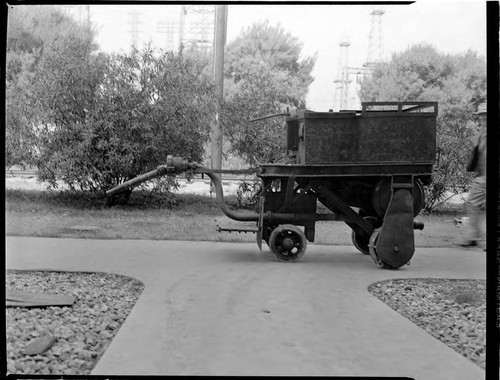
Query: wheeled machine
[(367, 168)]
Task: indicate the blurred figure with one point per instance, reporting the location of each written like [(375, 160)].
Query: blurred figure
[(476, 202)]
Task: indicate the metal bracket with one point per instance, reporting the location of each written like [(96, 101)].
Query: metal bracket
[(289, 194), (395, 244), (239, 230), (260, 222)]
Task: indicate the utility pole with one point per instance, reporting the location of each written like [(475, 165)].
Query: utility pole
[(219, 42)]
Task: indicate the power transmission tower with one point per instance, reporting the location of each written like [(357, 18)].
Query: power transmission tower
[(197, 26), (168, 28), (134, 26), (376, 42)]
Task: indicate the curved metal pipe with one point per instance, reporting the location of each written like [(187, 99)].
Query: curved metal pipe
[(179, 165), (219, 193), (254, 217)]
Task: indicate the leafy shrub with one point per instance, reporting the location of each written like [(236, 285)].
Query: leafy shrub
[(137, 109), (93, 120)]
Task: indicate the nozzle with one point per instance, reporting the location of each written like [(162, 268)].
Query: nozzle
[(178, 164), (174, 165)]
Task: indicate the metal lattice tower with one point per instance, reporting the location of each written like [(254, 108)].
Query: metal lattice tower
[(169, 28), (375, 44), (197, 26), (134, 26), (342, 81)]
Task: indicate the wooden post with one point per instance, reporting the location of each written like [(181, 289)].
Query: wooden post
[(219, 42)]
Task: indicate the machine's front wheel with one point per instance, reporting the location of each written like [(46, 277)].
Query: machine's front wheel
[(287, 242)]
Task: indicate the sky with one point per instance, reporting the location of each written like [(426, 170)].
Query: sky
[(450, 26)]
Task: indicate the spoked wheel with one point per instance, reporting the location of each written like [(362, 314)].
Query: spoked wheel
[(374, 254), (287, 242), (362, 240)]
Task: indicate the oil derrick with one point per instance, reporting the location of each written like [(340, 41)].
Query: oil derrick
[(134, 27), (342, 81), (197, 27), (346, 91), (169, 28), (375, 43)]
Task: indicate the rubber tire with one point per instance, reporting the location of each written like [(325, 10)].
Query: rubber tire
[(293, 231)]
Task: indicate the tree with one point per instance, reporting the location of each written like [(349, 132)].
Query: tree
[(264, 74), (260, 141), (458, 83), (32, 30), (124, 116), (20, 113)]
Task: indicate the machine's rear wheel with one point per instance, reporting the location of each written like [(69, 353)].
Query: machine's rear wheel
[(382, 197), (287, 242), (362, 240)]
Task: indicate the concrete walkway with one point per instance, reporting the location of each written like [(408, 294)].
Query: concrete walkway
[(227, 309)]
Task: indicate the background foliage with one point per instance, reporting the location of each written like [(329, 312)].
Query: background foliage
[(265, 74), (32, 32), (458, 83), (145, 108), (97, 120)]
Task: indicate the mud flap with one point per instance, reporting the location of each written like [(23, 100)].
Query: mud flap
[(395, 244)]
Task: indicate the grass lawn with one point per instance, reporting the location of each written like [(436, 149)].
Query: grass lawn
[(187, 217)]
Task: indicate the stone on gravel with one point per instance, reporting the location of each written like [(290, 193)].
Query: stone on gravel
[(39, 345)]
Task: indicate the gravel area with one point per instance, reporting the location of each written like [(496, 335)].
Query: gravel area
[(83, 331), (453, 311)]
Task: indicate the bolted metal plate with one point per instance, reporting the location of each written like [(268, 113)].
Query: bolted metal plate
[(395, 243)]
